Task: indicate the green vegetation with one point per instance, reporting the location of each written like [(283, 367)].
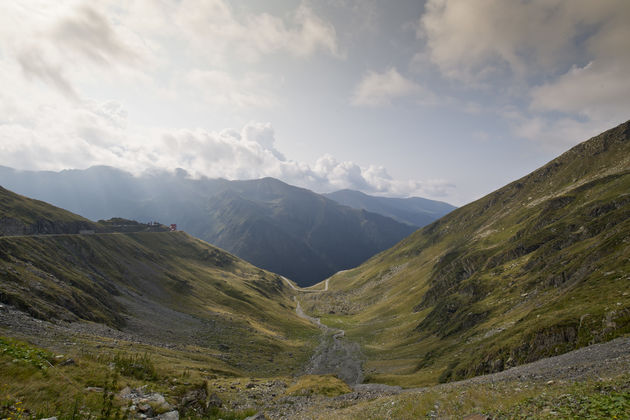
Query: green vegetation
[(156, 309), (88, 388), (327, 385), (22, 353), (602, 399), (535, 269), (168, 287), (20, 215), (136, 366)]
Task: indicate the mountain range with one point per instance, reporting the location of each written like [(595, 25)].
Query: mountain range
[(414, 211), (98, 316), (288, 230)]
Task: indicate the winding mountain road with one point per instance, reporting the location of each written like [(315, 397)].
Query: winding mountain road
[(299, 289), (334, 354)]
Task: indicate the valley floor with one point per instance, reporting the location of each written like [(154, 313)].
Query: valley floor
[(602, 367), (595, 378)]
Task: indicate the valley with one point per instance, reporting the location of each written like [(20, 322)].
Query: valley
[(516, 303)]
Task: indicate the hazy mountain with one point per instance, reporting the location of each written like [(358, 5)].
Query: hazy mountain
[(534, 269), (285, 229), (414, 211)]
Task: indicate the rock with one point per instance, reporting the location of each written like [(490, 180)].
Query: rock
[(171, 415), (125, 393), (94, 389), (145, 408), (49, 418), (250, 385), (477, 417), (193, 397), (257, 416), (214, 401), (67, 362)]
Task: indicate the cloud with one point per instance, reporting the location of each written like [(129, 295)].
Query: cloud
[(213, 25), (557, 135), (481, 40), (34, 64), (568, 58), (67, 44), (377, 89), (221, 88), (89, 33), (598, 90), (79, 135)]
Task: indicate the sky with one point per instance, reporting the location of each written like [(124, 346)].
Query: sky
[(443, 99)]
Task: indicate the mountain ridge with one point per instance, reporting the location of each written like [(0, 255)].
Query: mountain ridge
[(414, 211), (300, 234), (509, 275)]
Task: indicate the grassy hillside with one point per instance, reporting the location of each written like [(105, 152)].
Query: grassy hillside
[(534, 269), (165, 287), (154, 308), (20, 215)]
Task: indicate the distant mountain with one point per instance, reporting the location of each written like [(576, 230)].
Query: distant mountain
[(291, 231), (534, 269), (414, 211)]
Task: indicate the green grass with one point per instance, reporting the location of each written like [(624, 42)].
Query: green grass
[(327, 385), (76, 277), (607, 398), (29, 212), (535, 269), (236, 320)]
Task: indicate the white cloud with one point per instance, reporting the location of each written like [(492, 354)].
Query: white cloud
[(377, 89), (215, 29), (483, 39), (596, 91), (89, 33), (221, 88), (79, 135), (569, 57), (65, 44), (35, 65), (600, 89)]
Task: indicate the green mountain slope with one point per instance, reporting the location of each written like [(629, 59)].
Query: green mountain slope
[(23, 216), (534, 269), (273, 225), (164, 288), (414, 211)]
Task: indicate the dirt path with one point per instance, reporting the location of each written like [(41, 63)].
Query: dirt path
[(299, 289), (335, 354)]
